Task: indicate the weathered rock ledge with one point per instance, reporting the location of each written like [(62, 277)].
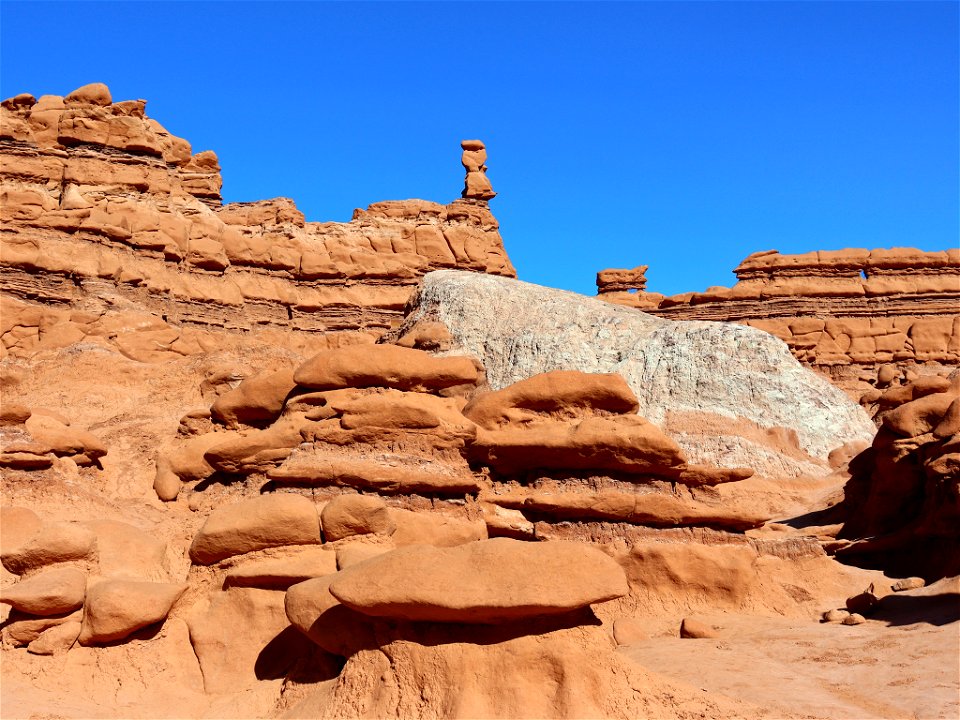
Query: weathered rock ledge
[(842, 312), (105, 213)]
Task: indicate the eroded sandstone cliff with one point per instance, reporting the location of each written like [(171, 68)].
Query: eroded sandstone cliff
[(845, 313), (114, 230)]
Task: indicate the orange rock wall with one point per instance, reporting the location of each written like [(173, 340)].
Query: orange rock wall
[(102, 210), (843, 312)]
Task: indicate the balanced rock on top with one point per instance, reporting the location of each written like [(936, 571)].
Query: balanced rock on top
[(476, 185)]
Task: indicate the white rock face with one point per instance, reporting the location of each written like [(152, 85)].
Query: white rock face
[(740, 382)]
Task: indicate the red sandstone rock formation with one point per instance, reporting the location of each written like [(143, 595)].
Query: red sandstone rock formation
[(903, 499), (113, 231), (323, 547), (476, 186), (843, 312), (397, 421)]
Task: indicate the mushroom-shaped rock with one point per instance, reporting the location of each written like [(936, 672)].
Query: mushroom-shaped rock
[(92, 94), (257, 399), (627, 444), (484, 582), (384, 366), (348, 515), (51, 592), (52, 543), (115, 608), (255, 524), (560, 392)]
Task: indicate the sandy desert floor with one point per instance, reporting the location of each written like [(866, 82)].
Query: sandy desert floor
[(904, 662)]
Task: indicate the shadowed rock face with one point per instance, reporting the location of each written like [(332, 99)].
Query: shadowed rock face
[(903, 499), (843, 312), (728, 395), (103, 208)]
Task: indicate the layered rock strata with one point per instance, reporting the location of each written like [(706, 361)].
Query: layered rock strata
[(765, 411), (423, 431), (113, 230), (842, 312)]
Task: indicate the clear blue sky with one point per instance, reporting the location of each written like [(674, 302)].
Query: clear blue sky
[(681, 135)]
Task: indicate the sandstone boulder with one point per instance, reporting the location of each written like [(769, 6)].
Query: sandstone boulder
[(835, 615), (255, 524), (116, 608), (628, 631), (185, 462), (625, 444), (384, 366), (21, 629), (400, 411), (92, 94), (910, 583), (63, 440), (56, 640), (490, 581), (54, 542), (13, 414), (51, 592), (919, 416), (255, 450), (694, 628), (258, 399), (348, 515), (563, 393), (354, 553)]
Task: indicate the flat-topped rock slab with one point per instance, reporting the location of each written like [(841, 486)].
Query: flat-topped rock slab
[(481, 582)]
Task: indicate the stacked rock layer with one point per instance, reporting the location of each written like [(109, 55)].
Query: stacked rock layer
[(113, 230), (843, 312)]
